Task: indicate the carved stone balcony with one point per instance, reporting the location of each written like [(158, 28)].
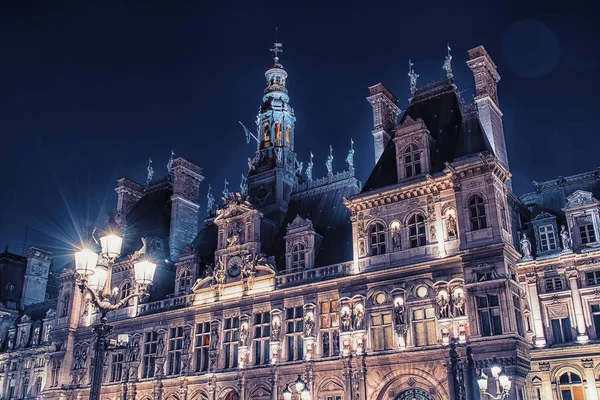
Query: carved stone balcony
[(310, 275), (172, 303)]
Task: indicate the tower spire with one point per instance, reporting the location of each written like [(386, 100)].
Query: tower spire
[(277, 47)]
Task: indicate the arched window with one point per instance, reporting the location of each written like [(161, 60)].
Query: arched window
[(416, 231), (65, 304), (266, 132), (477, 213), (570, 386), (185, 281), (125, 290), (288, 135), (377, 234), (298, 256), (278, 132), (412, 160)]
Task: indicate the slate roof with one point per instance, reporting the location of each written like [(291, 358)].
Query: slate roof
[(151, 216), (456, 130), (206, 242), (331, 220)]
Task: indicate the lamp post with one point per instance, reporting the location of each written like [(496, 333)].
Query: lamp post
[(94, 279), (503, 382), (301, 388)]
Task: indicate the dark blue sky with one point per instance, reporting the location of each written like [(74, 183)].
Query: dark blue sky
[(89, 91)]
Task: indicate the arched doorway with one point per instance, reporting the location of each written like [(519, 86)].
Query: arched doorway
[(414, 394)]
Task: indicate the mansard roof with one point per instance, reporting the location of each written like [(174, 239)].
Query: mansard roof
[(330, 219), (151, 216), (552, 196), (455, 128), (206, 242)]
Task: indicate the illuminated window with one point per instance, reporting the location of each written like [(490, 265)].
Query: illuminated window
[(381, 331), (262, 334), (330, 329), (298, 256), (571, 387), (278, 133), (412, 161), (202, 346), (477, 213), (416, 231), (424, 326), (266, 135), (377, 234), (288, 135)]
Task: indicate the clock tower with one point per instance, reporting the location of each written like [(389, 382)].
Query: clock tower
[(272, 176)]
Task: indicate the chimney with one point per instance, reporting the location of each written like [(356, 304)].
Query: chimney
[(385, 114)]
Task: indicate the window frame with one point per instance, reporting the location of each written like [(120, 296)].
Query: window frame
[(294, 322), (417, 230), (412, 157), (201, 346), (231, 341), (299, 256), (175, 350), (428, 324), (262, 338), (329, 328), (477, 212), (491, 319), (382, 331), (377, 238)]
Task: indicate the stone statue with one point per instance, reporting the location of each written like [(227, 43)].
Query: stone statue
[(309, 167), (309, 325), (187, 342), (350, 157), (565, 238), (359, 318), (448, 63), (252, 162), (299, 166), (226, 190), (459, 303), (244, 186), (275, 329), (451, 226), (210, 203), (278, 155), (36, 336), (135, 353), (399, 312), (329, 162), (396, 239), (214, 338), (525, 246), (443, 305), (219, 273), (170, 163), (160, 347), (150, 171), (345, 317), (243, 334), (47, 333), (413, 77), (23, 340)]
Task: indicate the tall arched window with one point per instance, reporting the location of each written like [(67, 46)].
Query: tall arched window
[(298, 256), (570, 386), (377, 234), (278, 132), (65, 304), (125, 290), (266, 135), (412, 160), (416, 231), (288, 135), (477, 213), (185, 281)]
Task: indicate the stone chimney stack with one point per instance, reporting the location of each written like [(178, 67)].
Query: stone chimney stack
[(128, 193), (184, 205), (36, 276), (385, 114), (486, 98)]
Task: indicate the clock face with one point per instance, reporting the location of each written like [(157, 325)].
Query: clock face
[(234, 266)]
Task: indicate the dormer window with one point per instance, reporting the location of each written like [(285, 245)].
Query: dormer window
[(377, 234), (298, 256), (581, 211), (586, 230), (185, 281), (547, 238), (412, 160), (477, 213)]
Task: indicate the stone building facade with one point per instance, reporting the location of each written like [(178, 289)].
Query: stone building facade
[(404, 288)]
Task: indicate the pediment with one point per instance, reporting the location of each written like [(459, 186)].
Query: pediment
[(300, 222), (543, 215), (580, 198)]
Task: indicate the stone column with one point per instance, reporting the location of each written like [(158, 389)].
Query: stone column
[(534, 303), (347, 374), (582, 336), (591, 393), (242, 386), (274, 383)]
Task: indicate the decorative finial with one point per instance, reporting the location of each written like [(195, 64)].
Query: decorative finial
[(329, 162), (170, 163), (276, 47), (244, 186), (350, 157), (309, 167), (448, 63), (226, 190), (210, 204), (413, 77), (150, 171)]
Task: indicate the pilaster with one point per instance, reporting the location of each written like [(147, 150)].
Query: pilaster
[(582, 336), (534, 303)]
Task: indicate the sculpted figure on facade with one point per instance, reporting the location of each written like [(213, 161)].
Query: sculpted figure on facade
[(345, 317), (187, 342), (243, 334), (150, 171), (451, 226), (160, 347), (459, 303), (214, 338), (399, 311), (299, 167), (565, 238), (359, 317), (309, 325), (210, 202), (309, 167), (244, 186), (329, 162), (275, 329), (170, 163), (525, 245), (350, 157), (443, 304)]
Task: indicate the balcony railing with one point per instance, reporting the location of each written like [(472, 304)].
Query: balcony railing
[(172, 303), (306, 276)]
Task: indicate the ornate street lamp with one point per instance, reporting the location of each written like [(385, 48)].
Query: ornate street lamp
[(93, 275), (502, 381), (287, 393)]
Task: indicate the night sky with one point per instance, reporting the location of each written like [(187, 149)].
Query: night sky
[(89, 91)]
